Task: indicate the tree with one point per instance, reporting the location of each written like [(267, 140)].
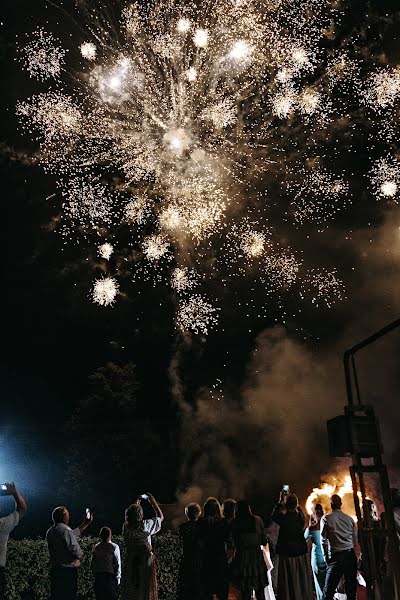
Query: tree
[(114, 454)]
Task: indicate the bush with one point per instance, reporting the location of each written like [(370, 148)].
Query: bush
[(28, 568)]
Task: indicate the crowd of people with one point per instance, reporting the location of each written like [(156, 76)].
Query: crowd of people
[(226, 552)]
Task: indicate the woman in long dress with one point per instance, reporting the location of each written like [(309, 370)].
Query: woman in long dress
[(318, 564), (249, 570), (294, 570), (139, 573), (215, 541), (189, 568)]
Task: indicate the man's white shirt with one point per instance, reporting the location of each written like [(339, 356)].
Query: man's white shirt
[(338, 533)]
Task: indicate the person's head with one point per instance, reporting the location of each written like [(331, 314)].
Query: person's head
[(192, 511), (336, 502), (134, 515), (60, 515), (243, 509), (212, 508), (229, 509), (105, 534), (318, 511), (292, 502), (373, 511)]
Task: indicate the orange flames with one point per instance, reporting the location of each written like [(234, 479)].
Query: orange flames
[(341, 486)]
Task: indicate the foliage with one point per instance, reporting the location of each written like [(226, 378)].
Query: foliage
[(114, 452), (28, 568)]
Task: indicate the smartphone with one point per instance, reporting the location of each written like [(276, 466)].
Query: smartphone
[(88, 514), (144, 496), (285, 488)]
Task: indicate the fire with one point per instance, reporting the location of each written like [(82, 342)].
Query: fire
[(340, 486)]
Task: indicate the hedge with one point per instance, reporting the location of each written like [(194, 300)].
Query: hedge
[(27, 569)]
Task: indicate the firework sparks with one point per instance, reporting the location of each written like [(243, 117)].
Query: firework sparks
[(88, 50), (385, 178), (196, 315), (184, 117), (105, 291), (106, 250), (42, 56), (323, 287)]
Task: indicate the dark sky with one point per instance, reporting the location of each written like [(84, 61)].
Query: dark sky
[(54, 337)]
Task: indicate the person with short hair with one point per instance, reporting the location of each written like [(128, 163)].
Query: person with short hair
[(229, 509), (339, 539), (7, 524), (294, 570), (65, 554), (106, 566), (189, 566)]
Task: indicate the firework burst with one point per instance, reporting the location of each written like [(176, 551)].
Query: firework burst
[(181, 119)]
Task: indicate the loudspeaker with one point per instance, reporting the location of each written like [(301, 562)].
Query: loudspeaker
[(354, 434)]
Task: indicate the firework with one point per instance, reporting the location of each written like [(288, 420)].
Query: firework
[(172, 138), (196, 315), (106, 250), (42, 56), (105, 291), (322, 287), (385, 178)]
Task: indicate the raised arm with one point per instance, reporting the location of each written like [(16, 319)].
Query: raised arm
[(21, 507), (156, 507)]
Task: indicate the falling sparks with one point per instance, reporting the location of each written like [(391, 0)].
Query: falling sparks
[(88, 50), (106, 250), (323, 287), (42, 56), (196, 315), (200, 137), (183, 279), (385, 178), (105, 291)]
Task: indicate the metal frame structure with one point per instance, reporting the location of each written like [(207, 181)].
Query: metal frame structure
[(369, 535)]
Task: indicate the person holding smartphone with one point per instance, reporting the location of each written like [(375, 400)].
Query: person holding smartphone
[(139, 575), (294, 569), (65, 554), (7, 524)]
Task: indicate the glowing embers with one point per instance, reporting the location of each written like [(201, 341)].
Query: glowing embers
[(319, 195), (55, 116), (322, 287), (105, 291), (385, 178), (177, 140), (42, 56), (196, 315), (88, 50), (106, 250)]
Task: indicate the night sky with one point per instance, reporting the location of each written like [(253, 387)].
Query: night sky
[(290, 379)]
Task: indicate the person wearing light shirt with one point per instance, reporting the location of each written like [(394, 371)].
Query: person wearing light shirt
[(65, 554), (106, 566), (339, 539), (7, 524)]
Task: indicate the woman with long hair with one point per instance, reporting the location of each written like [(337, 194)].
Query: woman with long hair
[(215, 541), (249, 571), (294, 571), (139, 575), (318, 564)]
